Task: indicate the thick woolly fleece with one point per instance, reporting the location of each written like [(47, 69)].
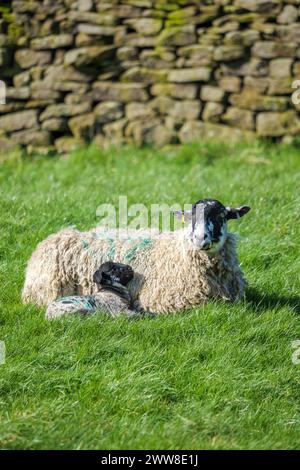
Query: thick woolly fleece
[(170, 275)]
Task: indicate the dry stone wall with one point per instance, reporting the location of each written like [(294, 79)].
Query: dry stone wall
[(147, 71)]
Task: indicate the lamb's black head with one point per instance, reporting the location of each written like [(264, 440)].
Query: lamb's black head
[(209, 218), (110, 274)]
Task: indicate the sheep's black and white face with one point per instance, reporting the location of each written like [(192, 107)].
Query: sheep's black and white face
[(208, 219)]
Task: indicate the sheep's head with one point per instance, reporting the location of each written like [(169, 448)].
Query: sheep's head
[(208, 227), (111, 273)]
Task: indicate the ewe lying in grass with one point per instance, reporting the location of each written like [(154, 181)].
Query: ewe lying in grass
[(174, 270)]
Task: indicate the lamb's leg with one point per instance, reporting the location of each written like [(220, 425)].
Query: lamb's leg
[(140, 311)]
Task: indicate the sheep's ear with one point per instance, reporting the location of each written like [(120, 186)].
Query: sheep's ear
[(184, 216), (236, 213), (97, 277)]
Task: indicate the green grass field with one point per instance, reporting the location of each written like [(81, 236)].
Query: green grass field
[(216, 377)]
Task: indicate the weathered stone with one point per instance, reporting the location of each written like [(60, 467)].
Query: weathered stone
[(251, 100), (18, 121), (40, 90), (144, 75), (230, 22), (66, 145), (34, 137), (127, 53), (42, 150), (47, 28), (272, 49), (52, 42), (58, 110), (258, 84), (289, 33), (197, 54), (149, 132), (38, 72), (55, 125), (92, 18), (96, 30), (21, 93), (265, 28), (210, 11), (75, 98), (242, 18), (162, 104), (126, 65), (180, 91), (10, 108), (228, 53), (289, 14), (185, 109), (21, 79), (258, 5), (26, 6), (134, 39), (60, 73), (180, 63), (172, 124), (227, 26), (212, 93), (230, 83), (162, 58), (179, 15), (83, 126), (277, 124), (281, 86), (255, 67), (250, 36), (84, 40), (36, 104), (114, 131), (212, 112), (120, 11), (108, 111), (240, 118), (135, 111), (6, 146), (76, 87), (124, 92), (27, 58), (85, 5), (86, 56), (296, 69), (233, 38), (280, 68), (195, 130), (146, 26), (207, 37), (177, 36), (190, 75)]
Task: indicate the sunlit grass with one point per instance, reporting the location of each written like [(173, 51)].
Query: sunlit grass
[(220, 376)]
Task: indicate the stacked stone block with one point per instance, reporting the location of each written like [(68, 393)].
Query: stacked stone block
[(147, 71)]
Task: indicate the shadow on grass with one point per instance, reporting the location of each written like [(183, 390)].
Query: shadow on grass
[(261, 301)]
